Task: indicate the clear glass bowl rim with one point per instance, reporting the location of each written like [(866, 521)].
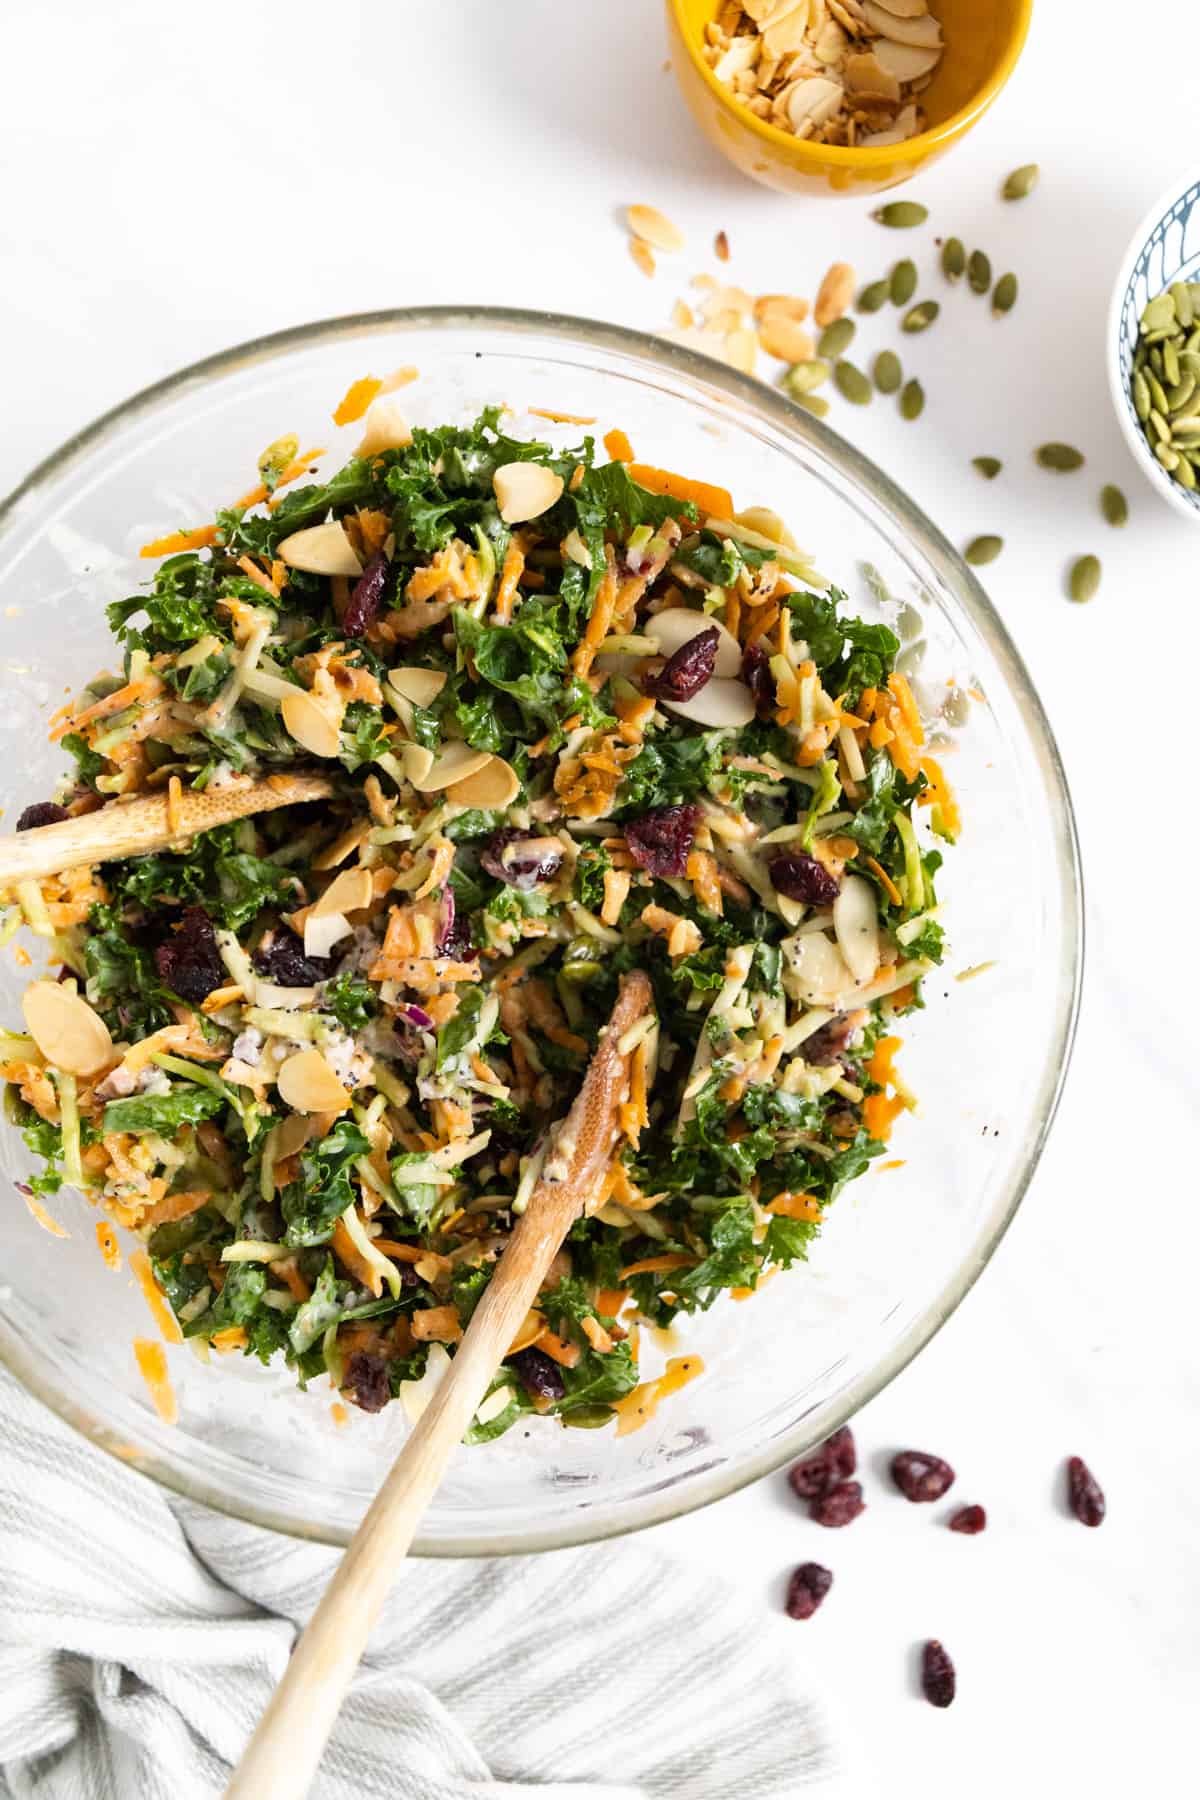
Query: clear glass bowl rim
[(769, 404)]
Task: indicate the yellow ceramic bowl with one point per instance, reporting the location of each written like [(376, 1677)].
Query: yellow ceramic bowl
[(983, 40)]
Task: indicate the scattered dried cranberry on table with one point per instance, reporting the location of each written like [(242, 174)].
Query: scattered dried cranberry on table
[(920, 1476), (938, 1679), (970, 1520), (808, 1587), (840, 1506), (1085, 1493), (835, 1461)]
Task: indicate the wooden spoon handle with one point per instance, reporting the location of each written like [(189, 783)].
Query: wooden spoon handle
[(142, 825), (282, 1756)]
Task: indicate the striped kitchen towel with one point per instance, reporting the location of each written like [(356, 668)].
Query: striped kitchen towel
[(140, 1638)]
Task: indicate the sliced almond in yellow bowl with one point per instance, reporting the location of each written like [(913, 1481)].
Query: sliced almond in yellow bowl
[(310, 724), (307, 1084), (65, 1029), (492, 786), (321, 550), (453, 762), (348, 892), (420, 687), (525, 490)]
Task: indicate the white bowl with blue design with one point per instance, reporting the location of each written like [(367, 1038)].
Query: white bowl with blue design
[(1164, 249)]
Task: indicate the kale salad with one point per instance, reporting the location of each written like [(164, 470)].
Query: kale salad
[(579, 716)]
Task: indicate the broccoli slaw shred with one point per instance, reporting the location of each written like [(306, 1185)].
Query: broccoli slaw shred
[(581, 717)]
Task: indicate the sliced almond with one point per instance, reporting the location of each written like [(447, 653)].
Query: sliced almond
[(454, 762), (856, 922), (767, 524), (575, 550), (786, 339), (682, 315), (865, 74), (290, 1135), (491, 787), (785, 34), (525, 490), (905, 61), (676, 626), (387, 429), (308, 1085), (321, 934), (417, 762), (780, 306), (905, 126), (719, 703), (309, 723), (895, 9), (740, 351), (922, 29), (834, 294), (817, 969), (654, 227), (321, 550), (812, 102), (344, 846), (643, 256), (741, 55), (65, 1029), (404, 376), (420, 687), (348, 892)]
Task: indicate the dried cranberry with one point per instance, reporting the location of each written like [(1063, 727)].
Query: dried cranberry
[(937, 1674), (690, 669), (756, 673), (827, 1044), (920, 1476), (539, 1374), (808, 1587), (661, 841), (189, 962), (1085, 1493), (42, 812), (366, 1381), (835, 1461), (802, 877), (969, 1519), (282, 959), (365, 596), (840, 1505), (502, 857)]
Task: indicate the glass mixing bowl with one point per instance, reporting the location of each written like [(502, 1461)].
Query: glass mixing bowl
[(987, 1057)]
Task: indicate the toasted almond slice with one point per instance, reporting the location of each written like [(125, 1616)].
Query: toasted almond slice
[(905, 61), (491, 787), (865, 74), (65, 1029), (848, 13), (308, 1085), (321, 934), (834, 294), (387, 429), (856, 922), (896, 9), (922, 29), (575, 550), (308, 722), (454, 762), (401, 377), (290, 1135), (741, 55), (654, 227), (905, 126), (786, 339), (348, 892), (643, 256), (525, 490), (343, 846), (417, 761), (420, 687), (740, 351), (682, 315), (830, 46), (780, 306), (818, 969), (719, 703), (676, 626), (785, 34), (812, 102), (321, 550), (767, 524)]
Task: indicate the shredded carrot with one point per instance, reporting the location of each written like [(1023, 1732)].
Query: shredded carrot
[(640, 1406), (940, 795), (899, 687), (609, 1301), (297, 467), (897, 1162), (110, 1249), (880, 1069), (152, 1362), (356, 399), (233, 1337), (44, 1219), (796, 1206), (903, 749), (712, 502), (510, 575), (880, 1112), (339, 1414), (558, 1348), (885, 881), (596, 1335), (561, 418), (618, 446), (603, 608), (252, 572), (879, 734), (115, 702), (659, 1265), (156, 1300), (903, 997), (181, 540)]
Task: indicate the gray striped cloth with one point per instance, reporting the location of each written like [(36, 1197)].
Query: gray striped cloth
[(140, 1638)]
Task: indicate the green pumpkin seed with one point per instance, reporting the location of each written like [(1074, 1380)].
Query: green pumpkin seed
[(1182, 430), (1170, 364), (1169, 458), (1141, 396), (901, 215), (920, 317), (1181, 294), (912, 400), (1158, 315), (1185, 473), (979, 272), (1192, 341), (803, 377), (954, 259), (1158, 393), (902, 283), (814, 404), (1159, 426), (1190, 359), (587, 1418), (1084, 579), (1113, 504), (852, 384), (1005, 296), (1188, 410), (873, 296), (1060, 457), (1021, 182), (887, 372), (1181, 393), (989, 466), (836, 338), (983, 550)]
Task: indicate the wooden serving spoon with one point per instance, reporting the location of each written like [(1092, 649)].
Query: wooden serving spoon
[(282, 1757), (140, 826)]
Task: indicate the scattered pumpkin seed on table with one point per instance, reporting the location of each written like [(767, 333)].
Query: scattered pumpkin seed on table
[(873, 296), (852, 384), (921, 316), (887, 372), (1084, 579), (1062, 458), (803, 377), (989, 466), (1021, 183), (1004, 296), (836, 338), (954, 259), (912, 400), (902, 283), (983, 550), (979, 272), (1113, 504), (901, 215), (814, 404)]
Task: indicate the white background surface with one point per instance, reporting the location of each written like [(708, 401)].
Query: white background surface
[(180, 178)]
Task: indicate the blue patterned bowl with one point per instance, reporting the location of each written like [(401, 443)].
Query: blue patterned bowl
[(1165, 248)]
